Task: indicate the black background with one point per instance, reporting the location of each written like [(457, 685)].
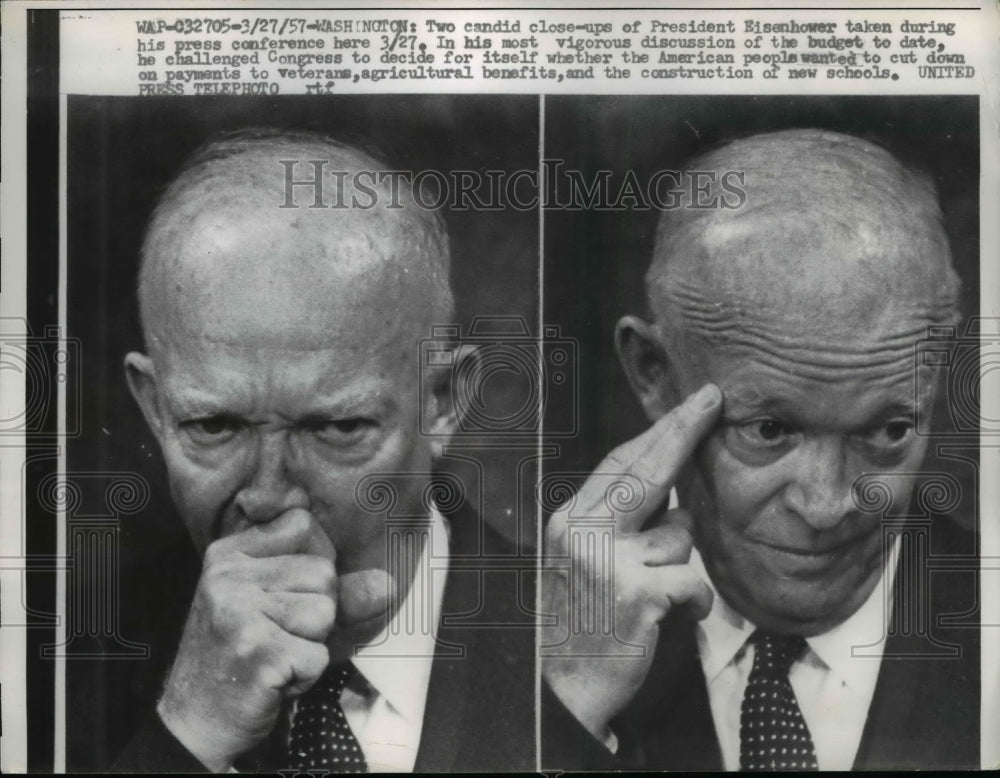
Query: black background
[(121, 153), (41, 451)]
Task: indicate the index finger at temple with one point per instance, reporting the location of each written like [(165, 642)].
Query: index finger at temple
[(657, 456)]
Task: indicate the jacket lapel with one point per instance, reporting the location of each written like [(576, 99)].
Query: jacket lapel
[(446, 714), (480, 703), (671, 718), (447, 693), (924, 712)]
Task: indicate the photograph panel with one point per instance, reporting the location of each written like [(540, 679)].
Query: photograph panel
[(303, 352), (776, 301)]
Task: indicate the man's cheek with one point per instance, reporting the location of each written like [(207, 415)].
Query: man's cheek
[(201, 494), (732, 490), (904, 482), (351, 514)]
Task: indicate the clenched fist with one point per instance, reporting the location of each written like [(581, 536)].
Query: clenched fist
[(257, 633)]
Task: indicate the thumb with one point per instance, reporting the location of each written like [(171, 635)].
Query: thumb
[(364, 595)]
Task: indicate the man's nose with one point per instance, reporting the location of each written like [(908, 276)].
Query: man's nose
[(272, 488), (820, 489)]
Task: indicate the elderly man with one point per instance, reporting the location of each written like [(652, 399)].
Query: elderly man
[(281, 382), (750, 623)]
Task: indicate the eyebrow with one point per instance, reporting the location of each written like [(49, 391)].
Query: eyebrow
[(198, 403), (749, 398), (193, 402), (750, 401), (348, 405), (897, 408)]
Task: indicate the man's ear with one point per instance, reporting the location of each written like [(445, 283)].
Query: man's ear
[(646, 364), (141, 376), (440, 409)]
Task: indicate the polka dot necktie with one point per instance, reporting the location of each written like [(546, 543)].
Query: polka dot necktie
[(321, 738), (773, 734)]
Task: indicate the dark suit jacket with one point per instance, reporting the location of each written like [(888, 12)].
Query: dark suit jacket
[(924, 713), (479, 714)]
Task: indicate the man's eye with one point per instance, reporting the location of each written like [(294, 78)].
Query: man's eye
[(213, 429), (764, 433), (893, 434), (342, 431)]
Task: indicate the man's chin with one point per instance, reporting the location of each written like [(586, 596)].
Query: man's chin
[(803, 624), (805, 616)]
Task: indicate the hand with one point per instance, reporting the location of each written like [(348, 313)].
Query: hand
[(595, 672), (256, 633)]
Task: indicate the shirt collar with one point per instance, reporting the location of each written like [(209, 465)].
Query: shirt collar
[(722, 634), (397, 662), (865, 629)]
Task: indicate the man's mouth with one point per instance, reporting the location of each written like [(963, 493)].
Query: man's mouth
[(815, 559)]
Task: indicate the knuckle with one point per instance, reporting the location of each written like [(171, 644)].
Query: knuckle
[(215, 555), (270, 677), (687, 579), (277, 607), (221, 602), (654, 611), (320, 657), (628, 547), (654, 541), (311, 661), (223, 617), (326, 611), (244, 651), (306, 661), (619, 457), (249, 639), (325, 574), (685, 543), (216, 575), (679, 424), (617, 461), (675, 540), (627, 589)]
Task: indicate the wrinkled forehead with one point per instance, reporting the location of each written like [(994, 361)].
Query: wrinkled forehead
[(859, 267), (829, 227), (263, 354), (814, 308), (192, 359), (249, 273), (230, 256), (831, 270), (816, 271), (809, 302)]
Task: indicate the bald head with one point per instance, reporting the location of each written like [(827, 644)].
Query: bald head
[(221, 254), (836, 242)]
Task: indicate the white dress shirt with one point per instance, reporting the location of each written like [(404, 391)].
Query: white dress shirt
[(833, 680), (386, 710)]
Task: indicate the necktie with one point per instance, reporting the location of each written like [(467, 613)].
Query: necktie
[(773, 734), (321, 738)]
